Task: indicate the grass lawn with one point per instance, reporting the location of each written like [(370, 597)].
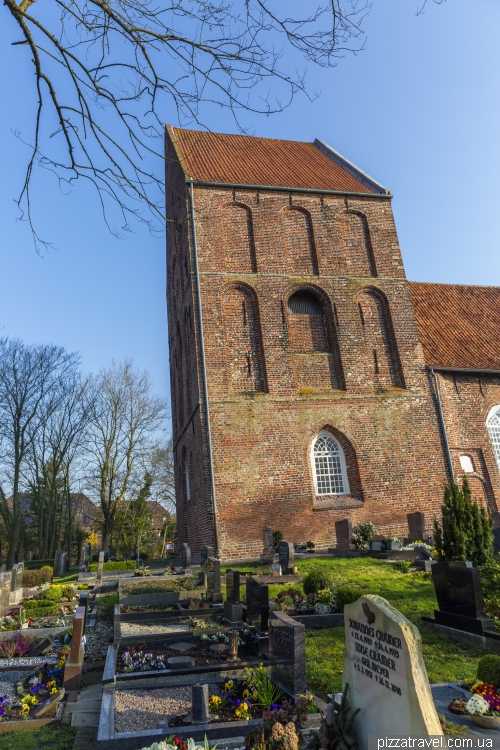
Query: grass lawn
[(56, 738), (411, 593)]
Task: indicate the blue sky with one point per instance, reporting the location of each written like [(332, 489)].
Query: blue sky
[(418, 110)]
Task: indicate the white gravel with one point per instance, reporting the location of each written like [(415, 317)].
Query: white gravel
[(8, 682), (142, 709), (136, 628)]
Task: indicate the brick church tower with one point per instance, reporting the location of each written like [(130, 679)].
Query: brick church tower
[(299, 389)]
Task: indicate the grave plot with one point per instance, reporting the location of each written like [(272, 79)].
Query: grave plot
[(51, 607)]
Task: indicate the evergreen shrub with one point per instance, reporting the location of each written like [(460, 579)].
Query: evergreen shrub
[(316, 580), (488, 670), (346, 593), (466, 531), (125, 565)]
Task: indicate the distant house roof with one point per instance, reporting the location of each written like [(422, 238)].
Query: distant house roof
[(247, 160), (459, 325)]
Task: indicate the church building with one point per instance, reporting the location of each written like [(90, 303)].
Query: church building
[(311, 381)]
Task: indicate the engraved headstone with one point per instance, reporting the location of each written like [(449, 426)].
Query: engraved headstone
[(185, 556), (287, 641), (257, 604), (385, 671), (213, 581), (5, 584), (343, 533), (57, 563), (416, 527), (460, 597), (233, 585), (100, 565), (286, 552), (206, 552), (41, 646), (276, 569), (17, 576)]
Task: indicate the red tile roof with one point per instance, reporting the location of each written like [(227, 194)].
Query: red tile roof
[(246, 160), (459, 325)]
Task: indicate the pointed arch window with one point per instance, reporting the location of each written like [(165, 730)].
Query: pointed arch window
[(329, 466), (493, 425)]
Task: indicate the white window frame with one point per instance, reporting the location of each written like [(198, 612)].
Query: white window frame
[(343, 466), (495, 436)]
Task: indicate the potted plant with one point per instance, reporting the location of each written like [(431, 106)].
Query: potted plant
[(63, 651), (392, 543), (484, 706), (310, 547)]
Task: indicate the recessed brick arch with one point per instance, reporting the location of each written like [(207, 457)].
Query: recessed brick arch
[(382, 361), (238, 238), (312, 337), (299, 243), (358, 256), (244, 351), (351, 460)]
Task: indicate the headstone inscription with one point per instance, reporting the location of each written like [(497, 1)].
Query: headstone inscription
[(416, 527), (186, 556), (286, 552), (100, 566), (257, 604), (5, 584), (57, 563), (213, 581), (343, 533), (460, 597), (233, 609), (287, 642), (385, 671)]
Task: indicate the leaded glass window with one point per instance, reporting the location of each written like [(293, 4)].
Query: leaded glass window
[(329, 466), (493, 425)]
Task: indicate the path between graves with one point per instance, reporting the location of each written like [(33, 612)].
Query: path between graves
[(84, 715)]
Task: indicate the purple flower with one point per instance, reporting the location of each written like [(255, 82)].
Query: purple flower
[(237, 702), (2, 711), (274, 707)]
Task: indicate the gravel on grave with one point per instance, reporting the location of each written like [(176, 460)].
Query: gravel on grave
[(8, 682), (136, 628), (97, 641), (136, 710)]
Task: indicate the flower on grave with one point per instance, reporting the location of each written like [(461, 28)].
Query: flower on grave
[(242, 712), (215, 702), (246, 693), (25, 709), (477, 706), (54, 691), (228, 685), (324, 596)]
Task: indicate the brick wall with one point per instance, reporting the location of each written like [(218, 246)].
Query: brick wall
[(280, 369)]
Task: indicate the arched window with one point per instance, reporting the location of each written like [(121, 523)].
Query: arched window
[(493, 425), (328, 465)]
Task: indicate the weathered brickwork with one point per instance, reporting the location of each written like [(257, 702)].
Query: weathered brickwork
[(308, 326)]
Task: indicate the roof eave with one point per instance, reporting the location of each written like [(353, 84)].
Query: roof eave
[(287, 189)]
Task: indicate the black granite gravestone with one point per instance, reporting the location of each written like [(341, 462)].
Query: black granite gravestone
[(343, 534), (199, 702), (41, 646), (416, 527), (460, 597), (257, 604), (233, 586), (185, 556), (213, 580), (287, 642), (285, 552)]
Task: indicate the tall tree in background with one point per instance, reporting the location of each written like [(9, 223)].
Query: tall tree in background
[(162, 471), (124, 418), (29, 380), (107, 76)]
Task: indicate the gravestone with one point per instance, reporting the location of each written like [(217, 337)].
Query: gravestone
[(83, 557), (74, 664), (385, 671), (41, 646), (460, 597), (287, 641), (213, 581), (5, 584), (186, 556), (268, 547), (206, 552), (64, 563), (57, 563), (199, 704), (257, 604), (233, 609), (286, 552), (276, 569), (16, 583), (100, 566), (343, 533), (416, 527)]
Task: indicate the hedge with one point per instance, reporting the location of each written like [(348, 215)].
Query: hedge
[(125, 565), (37, 564), (33, 578)]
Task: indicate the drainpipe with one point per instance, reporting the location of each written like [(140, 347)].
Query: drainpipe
[(443, 425), (203, 368)]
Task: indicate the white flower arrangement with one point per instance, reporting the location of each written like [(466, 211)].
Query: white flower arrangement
[(477, 706), (191, 745)]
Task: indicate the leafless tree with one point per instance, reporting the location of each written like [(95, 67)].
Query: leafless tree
[(125, 417), (54, 449), (162, 471), (29, 380), (108, 76)]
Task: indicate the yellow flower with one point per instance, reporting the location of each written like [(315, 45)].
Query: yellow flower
[(228, 685), (244, 706), (25, 709), (215, 700), (255, 695), (53, 691), (246, 693)]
